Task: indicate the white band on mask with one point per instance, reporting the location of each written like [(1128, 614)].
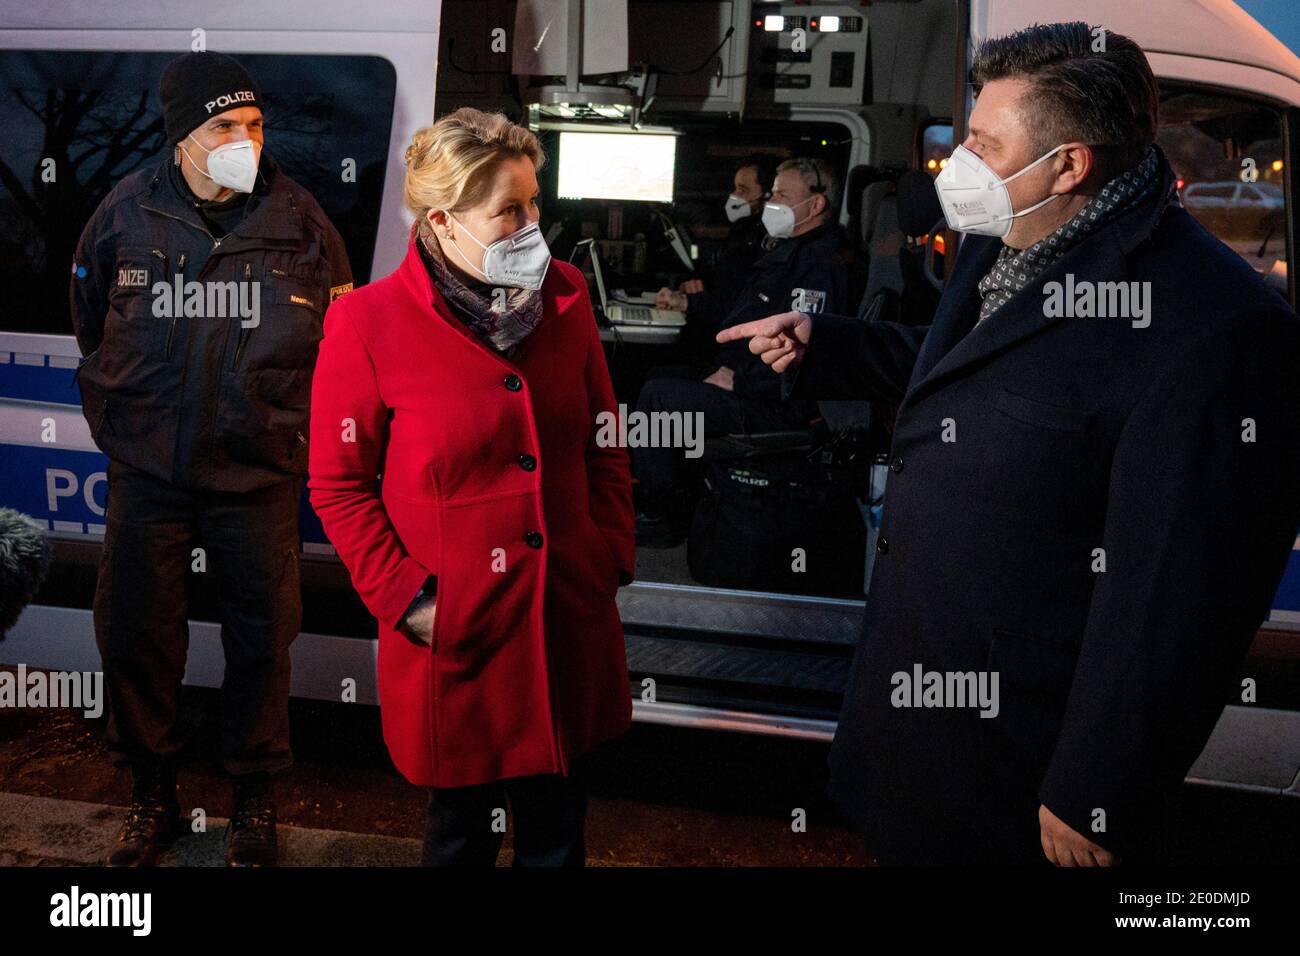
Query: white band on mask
[(519, 260), (779, 220)]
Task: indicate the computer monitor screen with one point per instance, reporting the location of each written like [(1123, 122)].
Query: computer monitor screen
[(628, 166)]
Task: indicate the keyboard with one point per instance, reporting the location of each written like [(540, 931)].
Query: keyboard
[(635, 314)]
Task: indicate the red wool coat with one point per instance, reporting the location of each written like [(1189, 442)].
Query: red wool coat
[(492, 481)]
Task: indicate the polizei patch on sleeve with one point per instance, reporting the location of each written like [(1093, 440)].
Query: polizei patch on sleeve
[(338, 290), (131, 277)]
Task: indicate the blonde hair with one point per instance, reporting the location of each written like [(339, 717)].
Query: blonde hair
[(449, 165)]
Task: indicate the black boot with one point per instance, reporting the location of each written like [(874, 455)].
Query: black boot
[(251, 840), (154, 818)]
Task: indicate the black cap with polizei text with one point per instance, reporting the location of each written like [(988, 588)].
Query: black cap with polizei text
[(197, 86)]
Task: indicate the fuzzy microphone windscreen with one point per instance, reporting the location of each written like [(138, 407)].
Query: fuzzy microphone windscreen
[(24, 562)]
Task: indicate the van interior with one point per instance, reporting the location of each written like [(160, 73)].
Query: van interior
[(701, 89)]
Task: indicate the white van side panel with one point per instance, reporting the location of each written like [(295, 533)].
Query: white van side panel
[(413, 55), (1209, 30), (296, 16), (1250, 80)]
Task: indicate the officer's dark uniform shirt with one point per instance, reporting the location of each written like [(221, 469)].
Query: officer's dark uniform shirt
[(815, 272), (219, 217), (747, 240), (213, 401)]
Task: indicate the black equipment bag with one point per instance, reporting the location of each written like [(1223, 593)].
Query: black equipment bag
[(756, 511)]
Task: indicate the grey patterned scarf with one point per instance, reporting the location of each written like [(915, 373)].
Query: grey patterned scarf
[(501, 322), (1015, 269)]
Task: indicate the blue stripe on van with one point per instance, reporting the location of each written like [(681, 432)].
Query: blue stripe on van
[(1288, 593), (39, 383), (50, 484)]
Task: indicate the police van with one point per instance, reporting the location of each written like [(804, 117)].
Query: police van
[(645, 108)]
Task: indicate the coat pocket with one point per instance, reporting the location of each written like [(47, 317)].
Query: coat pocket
[(604, 555), (1032, 412), (432, 645), (1032, 664), (289, 326), (1021, 443), (416, 523), (262, 417), (94, 401)]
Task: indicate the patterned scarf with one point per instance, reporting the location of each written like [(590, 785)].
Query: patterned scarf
[(499, 321), (1015, 269)]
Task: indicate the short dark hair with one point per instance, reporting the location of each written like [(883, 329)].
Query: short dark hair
[(1106, 98), (764, 169)]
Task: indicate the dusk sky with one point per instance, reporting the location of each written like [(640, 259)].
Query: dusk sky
[(1280, 16)]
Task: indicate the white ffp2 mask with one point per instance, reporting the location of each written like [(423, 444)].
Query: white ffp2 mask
[(975, 200), (519, 260), (233, 165), (737, 208), (779, 219)]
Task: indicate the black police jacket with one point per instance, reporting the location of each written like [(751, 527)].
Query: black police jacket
[(815, 272), (747, 240), (199, 350)]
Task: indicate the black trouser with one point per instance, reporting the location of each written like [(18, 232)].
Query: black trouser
[(681, 388), (463, 824), (250, 545)]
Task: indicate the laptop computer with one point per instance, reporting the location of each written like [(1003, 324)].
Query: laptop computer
[(622, 312)]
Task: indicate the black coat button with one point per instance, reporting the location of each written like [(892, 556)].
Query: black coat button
[(882, 546), (534, 539), (527, 462), (513, 382), (896, 465)]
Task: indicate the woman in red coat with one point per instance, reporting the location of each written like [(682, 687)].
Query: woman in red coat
[(491, 552)]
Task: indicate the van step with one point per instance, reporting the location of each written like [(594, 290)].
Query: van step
[(700, 661)]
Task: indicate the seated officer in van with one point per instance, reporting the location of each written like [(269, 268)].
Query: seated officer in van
[(812, 268), (198, 294), (710, 295)]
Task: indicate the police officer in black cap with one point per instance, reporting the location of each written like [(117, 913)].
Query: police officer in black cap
[(198, 294)]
